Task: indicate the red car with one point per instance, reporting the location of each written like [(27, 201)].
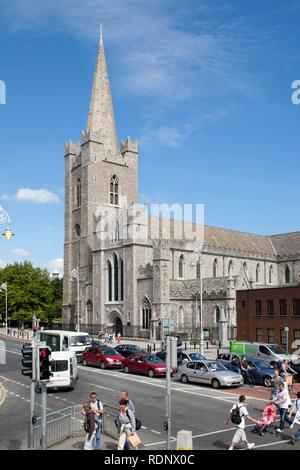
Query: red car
[(102, 356), (147, 364)]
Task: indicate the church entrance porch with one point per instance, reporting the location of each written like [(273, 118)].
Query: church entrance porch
[(115, 323)]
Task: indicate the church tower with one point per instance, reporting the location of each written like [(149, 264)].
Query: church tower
[(99, 173)]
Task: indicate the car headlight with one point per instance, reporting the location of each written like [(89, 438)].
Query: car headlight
[(109, 359)]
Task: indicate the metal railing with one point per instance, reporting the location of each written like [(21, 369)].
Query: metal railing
[(68, 422)]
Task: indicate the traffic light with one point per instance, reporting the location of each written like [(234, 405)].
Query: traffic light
[(44, 364), (27, 360)]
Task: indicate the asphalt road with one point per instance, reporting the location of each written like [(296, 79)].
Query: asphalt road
[(199, 409)]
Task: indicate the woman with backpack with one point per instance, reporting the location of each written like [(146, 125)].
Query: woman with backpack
[(89, 427), (126, 424), (237, 415)]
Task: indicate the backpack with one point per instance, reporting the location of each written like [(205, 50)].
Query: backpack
[(138, 423), (236, 416)]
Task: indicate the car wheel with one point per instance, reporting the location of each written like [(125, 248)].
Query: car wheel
[(102, 365), (215, 384), (126, 370), (184, 379), (267, 381), (84, 363), (150, 373)]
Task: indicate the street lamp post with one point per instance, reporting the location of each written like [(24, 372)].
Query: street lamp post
[(201, 342), (3, 287), (75, 275)]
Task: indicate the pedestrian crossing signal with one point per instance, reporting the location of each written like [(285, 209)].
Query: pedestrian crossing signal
[(27, 360), (44, 364)]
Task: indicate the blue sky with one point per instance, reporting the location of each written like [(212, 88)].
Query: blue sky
[(204, 85)]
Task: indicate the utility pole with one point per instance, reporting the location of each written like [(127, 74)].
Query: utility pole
[(4, 287), (75, 275), (168, 392), (44, 415)]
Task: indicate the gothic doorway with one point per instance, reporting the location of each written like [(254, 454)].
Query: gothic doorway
[(118, 326)]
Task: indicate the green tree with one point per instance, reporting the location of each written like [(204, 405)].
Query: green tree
[(30, 291)]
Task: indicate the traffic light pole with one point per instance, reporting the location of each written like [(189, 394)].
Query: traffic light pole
[(32, 393), (168, 392), (44, 415)]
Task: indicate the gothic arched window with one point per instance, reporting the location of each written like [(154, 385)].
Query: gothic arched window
[(217, 313), (287, 275), (114, 191), (257, 272), (270, 274), (245, 266), (89, 312), (181, 267), (116, 277), (198, 269), (121, 279), (230, 267), (180, 319), (78, 193), (146, 314), (215, 268), (109, 280)]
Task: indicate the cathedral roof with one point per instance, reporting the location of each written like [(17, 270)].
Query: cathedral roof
[(286, 243), (186, 289)]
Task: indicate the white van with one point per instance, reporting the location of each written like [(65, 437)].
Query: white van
[(64, 370), (271, 353), (58, 340)]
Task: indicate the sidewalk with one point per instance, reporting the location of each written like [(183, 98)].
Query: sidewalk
[(77, 443)]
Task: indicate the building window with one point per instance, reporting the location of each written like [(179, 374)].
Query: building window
[(297, 336), (259, 335), (245, 267), (283, 337), (181, 267), (270, 274), (271, 335), (109, 280), (146, 314), (283, 307), (243, 304), (116, 277), (78, 193), (215, 268), (258, 308), (287, 275), (114, 191), (180, 319), (296, 307), (121, 279), (270, 307), (257, 273), (217, 314), (89, 312), (198, 270), (230, 266)]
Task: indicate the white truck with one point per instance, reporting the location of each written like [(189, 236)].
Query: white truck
[(58, 340)]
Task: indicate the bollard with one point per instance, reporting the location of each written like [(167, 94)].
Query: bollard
[(184, 440), (150, 348), (206, 344), (185, 346), (195, 344), (153, 346)]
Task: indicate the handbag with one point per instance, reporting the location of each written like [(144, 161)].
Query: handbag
[(134, 440)]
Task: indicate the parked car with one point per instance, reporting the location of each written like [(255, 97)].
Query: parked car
[(98, 342), (162, 355), (147, 364), (271, 353), (259, 369), (209, 372), (128, 349), (102, 356)]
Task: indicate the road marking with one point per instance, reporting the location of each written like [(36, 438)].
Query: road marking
[(105, 388), (155, 432), (2, 394), (173, 439), (271, 444), (10, 351)]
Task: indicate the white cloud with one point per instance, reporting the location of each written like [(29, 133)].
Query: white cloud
[(2, 263), (56, 265), (37, 196), (20, 252)]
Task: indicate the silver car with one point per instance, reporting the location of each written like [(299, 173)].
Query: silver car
[(209, 372)]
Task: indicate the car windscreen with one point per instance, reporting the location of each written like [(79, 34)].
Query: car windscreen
[(196, 357), (259, 363), (153, 359), (133, 348), (59, 366), (214, 366), (276, 349), (109, 352), (80, 340)]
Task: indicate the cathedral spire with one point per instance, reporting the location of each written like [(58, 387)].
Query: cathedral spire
[(101, 114)]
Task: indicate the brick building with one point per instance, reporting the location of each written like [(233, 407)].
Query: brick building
[(263, 314)]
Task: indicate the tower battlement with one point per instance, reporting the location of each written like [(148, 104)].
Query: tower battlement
[(71, 148), (129, 146), (89, 135)]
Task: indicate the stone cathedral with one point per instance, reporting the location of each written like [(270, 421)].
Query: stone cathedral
[(135, 285)]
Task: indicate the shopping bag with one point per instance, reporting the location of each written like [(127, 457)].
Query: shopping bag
[(134, 440)]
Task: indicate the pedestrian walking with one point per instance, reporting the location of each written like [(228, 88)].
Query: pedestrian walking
[(125, 423), (296, 435), (89, 427), (283, 402), (276, 381), (237, 415), (118, 338), (130, 405), (97, 408)]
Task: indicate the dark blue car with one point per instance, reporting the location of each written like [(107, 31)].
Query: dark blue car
[(259, 369)]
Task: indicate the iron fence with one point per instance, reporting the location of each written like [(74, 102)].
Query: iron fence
[(68, 422)]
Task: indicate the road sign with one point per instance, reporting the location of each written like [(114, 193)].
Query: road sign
[(168, 325)]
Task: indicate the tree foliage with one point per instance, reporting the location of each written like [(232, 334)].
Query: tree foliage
[(30, 291)]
